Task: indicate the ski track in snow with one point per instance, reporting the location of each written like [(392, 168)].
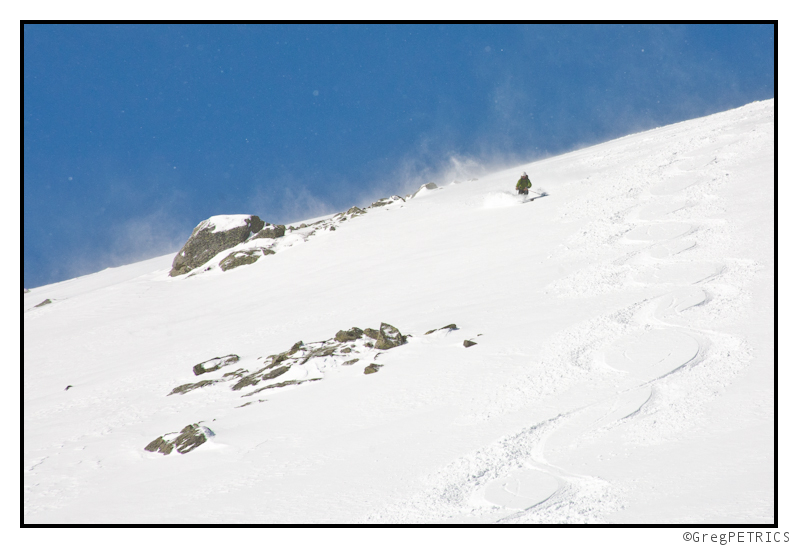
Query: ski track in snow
[(669, 368)]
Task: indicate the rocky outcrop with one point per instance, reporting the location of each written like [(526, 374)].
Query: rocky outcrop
[(351, 213), (240, 258), (214, 364), (389, 337), (213, 236), (386, 201), (296, 365), (351, 335), (189, 438), (270, 231)]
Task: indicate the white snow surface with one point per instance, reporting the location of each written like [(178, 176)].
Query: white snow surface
[(623, 371), (223, 223)]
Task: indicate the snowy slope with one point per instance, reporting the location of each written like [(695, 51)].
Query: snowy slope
[(623, 371)]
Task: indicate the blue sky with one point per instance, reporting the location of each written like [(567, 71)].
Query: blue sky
[(133, 134)]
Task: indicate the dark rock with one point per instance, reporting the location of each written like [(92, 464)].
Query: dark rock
[(282, 356), (278, 385), (271, 231), (351, 335), (389, 337), (240, 258), (160, 445), (371, 333), (183, 388), (214, 364), (44, 302), (205, 243), (68, 387), (468, 343), (320, 352), (350, 362), (450, 327), (276, 373), (372, 368), (191, 437), (354, 211), (255, 378)]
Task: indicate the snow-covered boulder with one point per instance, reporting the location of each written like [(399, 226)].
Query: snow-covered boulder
[(213, 236), (423, 189)]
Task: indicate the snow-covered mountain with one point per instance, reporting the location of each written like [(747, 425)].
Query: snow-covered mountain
[(623, 370)]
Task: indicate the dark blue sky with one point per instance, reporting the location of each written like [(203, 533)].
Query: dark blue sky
[(133, 134)]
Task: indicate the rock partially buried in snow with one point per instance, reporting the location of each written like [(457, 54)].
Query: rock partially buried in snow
[(240, 258), (450, 327), (214, 364), (189, 438), (213, 236), (389, 337), (351, 213), (423, 189), (468, 343), (386, 201), (372, 368), (184, 388)]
